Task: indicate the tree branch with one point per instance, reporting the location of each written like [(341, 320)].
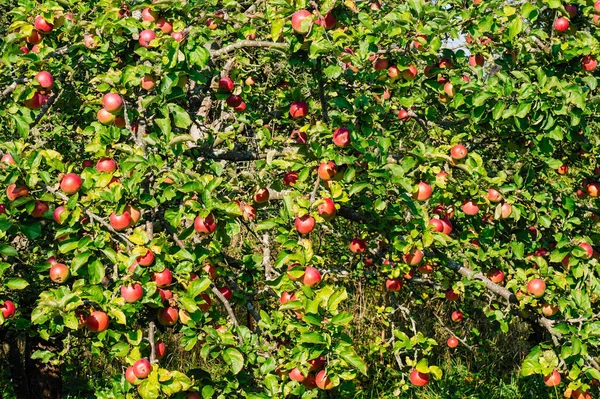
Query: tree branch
[(151, 327), (248, 43)]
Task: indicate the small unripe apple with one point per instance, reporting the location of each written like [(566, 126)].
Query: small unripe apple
[(70, 183), (146, 36), (305, 224), (97, 321), (298, 109)]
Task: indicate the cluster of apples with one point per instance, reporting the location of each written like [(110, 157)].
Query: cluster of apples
[(147, 35), (303, 20), (316, 376), (44, 83), (234, 101), (562, 24), (112, 107)]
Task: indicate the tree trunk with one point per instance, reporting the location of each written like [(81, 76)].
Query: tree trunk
[(44, 378)]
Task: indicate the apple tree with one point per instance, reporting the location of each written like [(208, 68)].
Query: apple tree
[(211, 177)]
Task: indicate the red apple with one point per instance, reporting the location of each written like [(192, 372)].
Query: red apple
[(494, 196), (563, 169), (132, 293), (410, 73), (341, 137), (549, 310), (298, 109), (107, 165), (70, 183), (7, 308), (394, 284), (7, 159), (393, 72), (193, 395), (302, 21), (323, 381), (380, 64), (112, 102), (457, 316), (552, 379), (316, 364), (459, 151), (423, 191), (305, 224), (240, 108), (164, 25), (234, 101), (147, 82), (327, 170), (210, 270), (290, 178), (452, 342), (226, 84), (437, 224), (146, 260), (451, 295), (287, 297), (39, 209), (45, 79), (495, 276), (90, 42), (536, 287), (597, 6), (476, 60), (160, 349), (149, 15), (163, 278), (311, 276), (328, 21), (299, 137), (449, 90), (41, 25), (296, 375), (593, 189), (13, 192), (561, 24), (295, 266), (207, 302), (34, 38), (571, 9), (105, 117), (470, 208), (205, 225), (168, 316), (262, 196), (130, 376), (414, 258), (403, 115), (327, 209), (146, 36), (134, 213), (589, 251), (178, 36), (120, 222), (589, 63), (358, 246), (97, 321), (419, 379), (226, 291), (506, 210), (57, 212), (165, 295), (142, 368)]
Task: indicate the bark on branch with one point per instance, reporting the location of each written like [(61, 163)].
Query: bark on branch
[(248, 43)]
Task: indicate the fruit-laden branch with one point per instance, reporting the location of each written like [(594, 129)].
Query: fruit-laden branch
[(248, 43), (46, 107), (452, 333), (491, 286), (12, 87), (92, 216)]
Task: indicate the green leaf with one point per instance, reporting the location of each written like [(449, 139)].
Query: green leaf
[(198, 286), (234, 359), (96, 271), (349, 355), (7, 250), (277, 28), (16, 283), (342, 319), (312, 338), (180, 116)]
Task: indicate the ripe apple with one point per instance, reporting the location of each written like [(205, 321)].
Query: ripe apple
[(316, 364), (449, 89), (589, 63), (437, 224), (426, 269), (205, 225), (459, 151), (34, 38), (299, 137), (290, 178), (470, 208), (207, 302), (234, 101), (445, 63), (493, 195), (341, 137), (130, 376), (262, 196), (295, 266), (7, 159), (241, 107), (13, 192), (210, 270), (476, 60), (410, 73), (419, 379), (226, 84), (305, 224), (41, 25), (165, 295), (146, 260), (296, 375), (403, 115), (549, 310), (380, 64), (146, 36), (358, 246), (107, 165), (7, 308), (298, 109), (120, 222), (147, 82), (142, 368), (36, 101), (563, 169), (227, 293), (70, 183), (134, 213), (414, 258), (451, 295), (327, 170), (39, 209), (163, 278), (193, 395), (393, 284), (287, 297), (178, 36), (589, 251), (597, 6), (248, 212), (45, 79), (149, 15), (571, 9), (506, 210), (536, 287), (457, 316), (328, 21), (302, 21), (160, 349), (105, 117), (452, 342), (327, 209), (90, 42), (393, 72), (552, 379), (112, 102), (97, 321), (164, 25), (495, 276), (57, 212), (593, 189), (323, 381), (311, 276), (132, 293), (561, 24), (168, 316), (422, 192)]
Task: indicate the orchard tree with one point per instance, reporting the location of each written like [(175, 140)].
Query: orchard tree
[(213, 174)]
